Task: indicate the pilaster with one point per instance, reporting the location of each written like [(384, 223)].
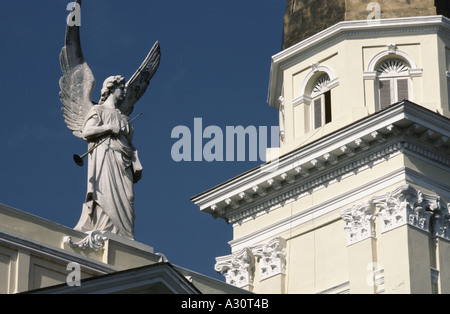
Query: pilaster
[(271, 258), (414, 229), (361, 242)]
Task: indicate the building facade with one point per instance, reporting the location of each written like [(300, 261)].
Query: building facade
[(356, 198), (43, 257)]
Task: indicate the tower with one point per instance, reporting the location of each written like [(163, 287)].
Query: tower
[(304, 18), (356, 198)]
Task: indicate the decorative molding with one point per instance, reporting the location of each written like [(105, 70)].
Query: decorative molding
[(344, 200), (322, 83), (405, 205), (327, 178), (60, 255), (399, 129), (440, 219), (94, 240), (271, 258), (352, 167), (400, 63), (237, 268), (392, 48), (359, 222)]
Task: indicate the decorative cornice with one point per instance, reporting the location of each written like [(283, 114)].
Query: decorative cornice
[(402, 128), (327, 178), (344, 200)]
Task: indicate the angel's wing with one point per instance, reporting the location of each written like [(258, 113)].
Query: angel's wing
[(138, 83), (77, 82)]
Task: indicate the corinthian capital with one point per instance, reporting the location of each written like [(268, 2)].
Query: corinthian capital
[(405, 205), (237, 268), (271, 257), (359, 222), (441, 219)]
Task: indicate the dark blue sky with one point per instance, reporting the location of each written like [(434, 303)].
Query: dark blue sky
[(215, 65)]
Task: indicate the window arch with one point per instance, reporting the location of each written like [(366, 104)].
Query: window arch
[(315, 95), (394, 82), (392, 72)]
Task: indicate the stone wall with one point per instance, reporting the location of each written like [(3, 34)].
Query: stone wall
[(304, 18)]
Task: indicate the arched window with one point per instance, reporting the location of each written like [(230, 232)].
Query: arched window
[(321, 102), (394, 82), (315, 97), (392, 72)]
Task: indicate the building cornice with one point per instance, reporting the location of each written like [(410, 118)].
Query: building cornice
[(344, 200), (402, 128), (347, 30)]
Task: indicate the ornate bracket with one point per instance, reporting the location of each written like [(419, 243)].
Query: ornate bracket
[(94, 240)]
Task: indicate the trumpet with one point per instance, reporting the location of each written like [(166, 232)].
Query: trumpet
[(79, 159)]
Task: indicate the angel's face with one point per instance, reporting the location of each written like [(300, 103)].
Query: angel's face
[(119, 92)]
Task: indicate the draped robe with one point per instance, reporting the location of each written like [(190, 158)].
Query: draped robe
[(113, 168)]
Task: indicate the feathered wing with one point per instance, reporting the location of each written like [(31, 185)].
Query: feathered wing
[(77, 82), (138, 83)]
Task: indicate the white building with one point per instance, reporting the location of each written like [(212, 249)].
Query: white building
[(356, 198)]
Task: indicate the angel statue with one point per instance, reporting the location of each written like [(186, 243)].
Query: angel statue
[(113, 163)]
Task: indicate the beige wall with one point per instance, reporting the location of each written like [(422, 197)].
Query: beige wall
[(354, 97), (34, 253)]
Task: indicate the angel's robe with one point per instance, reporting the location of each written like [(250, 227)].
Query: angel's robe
[(113, 168)]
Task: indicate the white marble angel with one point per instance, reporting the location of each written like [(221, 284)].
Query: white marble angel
[(113, 163)]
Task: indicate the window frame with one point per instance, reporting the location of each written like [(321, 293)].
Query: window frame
[(393, 77), (322, 92)]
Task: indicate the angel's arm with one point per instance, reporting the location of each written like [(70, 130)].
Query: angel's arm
[(92, 130)]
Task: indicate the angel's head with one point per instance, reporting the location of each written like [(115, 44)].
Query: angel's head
[(113, 85)]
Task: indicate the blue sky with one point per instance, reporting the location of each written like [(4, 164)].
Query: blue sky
[(215, 65)]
